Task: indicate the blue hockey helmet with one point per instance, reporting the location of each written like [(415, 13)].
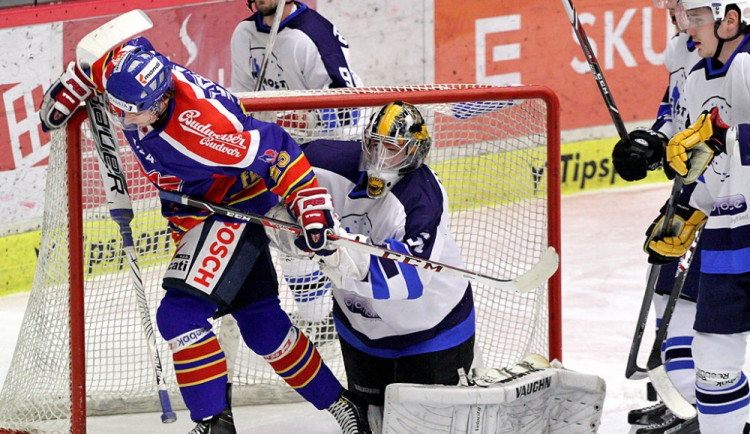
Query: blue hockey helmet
[(138, 81)]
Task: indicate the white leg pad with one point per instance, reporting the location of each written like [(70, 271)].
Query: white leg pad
[(553, 400)]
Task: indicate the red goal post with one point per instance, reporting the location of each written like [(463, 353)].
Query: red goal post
[(81, 349)]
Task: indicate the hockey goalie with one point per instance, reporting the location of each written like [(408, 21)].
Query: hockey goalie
[(530, 398)]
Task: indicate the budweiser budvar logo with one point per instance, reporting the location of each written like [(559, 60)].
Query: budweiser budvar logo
[(224, 143)]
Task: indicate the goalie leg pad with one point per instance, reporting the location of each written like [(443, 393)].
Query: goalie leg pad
[(551, 400)]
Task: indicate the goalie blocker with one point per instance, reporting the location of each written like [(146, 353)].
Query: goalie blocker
[(532, 397)]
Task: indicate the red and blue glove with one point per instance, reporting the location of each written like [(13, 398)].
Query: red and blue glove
[(64, 96), (313, 209)]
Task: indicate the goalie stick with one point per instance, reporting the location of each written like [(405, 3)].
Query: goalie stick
[(90, 48), (657, 372), (528, 281)]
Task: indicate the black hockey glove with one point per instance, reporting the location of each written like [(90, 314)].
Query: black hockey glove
[(644, 151), (665, 246)]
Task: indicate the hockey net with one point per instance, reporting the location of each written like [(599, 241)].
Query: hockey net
[(496, 150)]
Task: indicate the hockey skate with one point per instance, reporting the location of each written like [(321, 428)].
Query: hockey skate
[(351, 416), (673, 425), (222, 423), (651, 415)]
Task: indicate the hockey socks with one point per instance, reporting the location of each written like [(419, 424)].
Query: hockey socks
[(298, 362), (201, 372)]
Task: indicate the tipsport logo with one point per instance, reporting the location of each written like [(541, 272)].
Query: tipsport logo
[(729, 205)]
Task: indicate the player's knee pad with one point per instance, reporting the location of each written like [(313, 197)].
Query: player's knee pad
[(180, 313), (263, 325)]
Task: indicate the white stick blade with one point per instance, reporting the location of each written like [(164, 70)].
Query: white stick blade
[(669, 394), (108, 35), (540, 272)]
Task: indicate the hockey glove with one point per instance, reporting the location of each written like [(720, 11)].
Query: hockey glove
[(313, 209), (64, 96), (643, 152), (691, 151), (666, 245)]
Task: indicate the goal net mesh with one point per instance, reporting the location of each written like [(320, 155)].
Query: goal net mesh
[(492, 150)]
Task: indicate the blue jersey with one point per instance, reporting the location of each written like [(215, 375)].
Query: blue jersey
[(208, 147)]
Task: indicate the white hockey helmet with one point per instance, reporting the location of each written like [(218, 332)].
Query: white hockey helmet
[(665, 4), (715, 11), (394, 143)]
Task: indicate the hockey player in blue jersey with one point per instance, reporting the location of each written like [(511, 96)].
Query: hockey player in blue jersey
[(192, 136), (396, 322), (714, 156), (632, 160)]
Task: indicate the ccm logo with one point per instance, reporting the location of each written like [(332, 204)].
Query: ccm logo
[(218, 252)]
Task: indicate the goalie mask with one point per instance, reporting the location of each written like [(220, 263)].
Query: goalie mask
[(136, 86), (394, 143)]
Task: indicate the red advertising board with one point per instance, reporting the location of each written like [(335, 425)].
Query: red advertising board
[(532, 42)]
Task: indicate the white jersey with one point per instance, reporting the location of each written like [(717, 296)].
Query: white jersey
[(722, 191), (397, 309), (679, 58), (308, 53)]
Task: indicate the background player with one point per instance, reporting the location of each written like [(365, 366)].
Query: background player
[(716, 91), (644, 152), (192, 136)]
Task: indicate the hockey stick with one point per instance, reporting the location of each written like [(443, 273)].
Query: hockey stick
[(96, 44), (657, 372), (632, 370), (89, 49), (596, 70), (271, 42), (531, 279), (121, 211)]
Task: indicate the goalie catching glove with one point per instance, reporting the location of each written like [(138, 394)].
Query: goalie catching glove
[(665, 246), (64, 96), (643, 151), (691, 151)]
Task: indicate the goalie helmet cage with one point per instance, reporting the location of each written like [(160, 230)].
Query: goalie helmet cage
[(81, 349)]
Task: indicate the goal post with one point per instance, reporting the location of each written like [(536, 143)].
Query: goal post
[(81, 349)]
